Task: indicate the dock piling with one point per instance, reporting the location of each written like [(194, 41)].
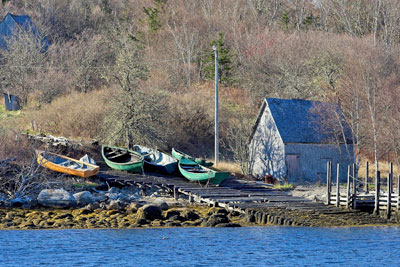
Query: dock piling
[(337, 185), (389, 195), (348, 187), (377, 191), (328, 181), (366, 177)]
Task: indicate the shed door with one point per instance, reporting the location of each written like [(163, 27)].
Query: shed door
[(293, 167)]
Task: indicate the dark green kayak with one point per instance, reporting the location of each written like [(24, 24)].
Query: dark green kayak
[(179, 154), (193, 171), (122, 159)]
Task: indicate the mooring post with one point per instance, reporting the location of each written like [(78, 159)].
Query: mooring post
[(348, 187), (366, 177), (337, 185), (190, 198), (377, 191), (389, 195), (328, 183)]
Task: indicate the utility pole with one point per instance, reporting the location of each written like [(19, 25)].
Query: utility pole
[(216, 144)]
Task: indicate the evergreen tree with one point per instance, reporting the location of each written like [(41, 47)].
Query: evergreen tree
[(224, 62), (152, 14)]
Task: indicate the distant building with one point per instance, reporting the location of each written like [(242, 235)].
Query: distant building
[(288, 143), (11, 23)]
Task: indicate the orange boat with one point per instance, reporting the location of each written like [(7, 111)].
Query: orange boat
[(66, 165)]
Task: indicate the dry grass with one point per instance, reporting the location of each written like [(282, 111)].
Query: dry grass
[(6, 116), (227, 166), (383, 168), (73, 115)]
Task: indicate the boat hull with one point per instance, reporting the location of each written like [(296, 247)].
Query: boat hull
[(203, 175), (62, 169), (179, 155), (157, 161), (168, 169), (131, 166)]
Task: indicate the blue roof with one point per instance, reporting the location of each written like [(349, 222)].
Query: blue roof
[(297, 121), (9, 24)]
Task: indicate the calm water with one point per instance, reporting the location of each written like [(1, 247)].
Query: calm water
[(253, 246)]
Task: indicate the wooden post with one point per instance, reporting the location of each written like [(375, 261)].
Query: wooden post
[(377, 189), (354, 186), (328, 182), (348, 187), (398, 195), (366, 177), (190, 198), (176, 196), (354, 178), (389, 195), (391, 176), (337, 185)]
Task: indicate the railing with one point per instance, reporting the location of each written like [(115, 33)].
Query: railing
[(379, 200)]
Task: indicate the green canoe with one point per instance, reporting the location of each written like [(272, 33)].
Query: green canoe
[(179, 154), (122, 159), (193, 171)]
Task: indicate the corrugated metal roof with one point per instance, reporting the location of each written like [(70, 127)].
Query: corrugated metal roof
[(297, 121)]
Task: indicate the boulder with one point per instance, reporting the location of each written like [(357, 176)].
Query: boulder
[(215, 219), (56, 198), (162, 204), (92, 206), (84, 198), (132, 207), (217, 211), (25, 202), (190, 215), (171, 213), (114, 205), (149, 212)]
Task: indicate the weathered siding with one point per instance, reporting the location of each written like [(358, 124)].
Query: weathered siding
[(267, 154), (313, 158)]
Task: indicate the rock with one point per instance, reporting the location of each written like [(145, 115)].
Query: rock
[(149, 212), (113, 190), (171, 213), (162, 204), (84, 198), (92, 206), (26, 202), (172, 224), (114, 205), (228, 225), (215, 219), (141, 221), (217, 211), (190, 215), (56, 198), (177, 218), (131, 208)]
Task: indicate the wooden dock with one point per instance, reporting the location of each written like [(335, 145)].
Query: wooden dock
[(260, 202), (379, 200)]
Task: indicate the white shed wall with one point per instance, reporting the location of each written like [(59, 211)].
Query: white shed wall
[(267, 151)]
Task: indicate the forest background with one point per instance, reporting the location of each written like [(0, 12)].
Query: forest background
[(142, 72)]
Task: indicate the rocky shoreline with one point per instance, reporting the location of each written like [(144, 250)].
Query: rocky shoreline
[(152, 207), (148, 216)]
